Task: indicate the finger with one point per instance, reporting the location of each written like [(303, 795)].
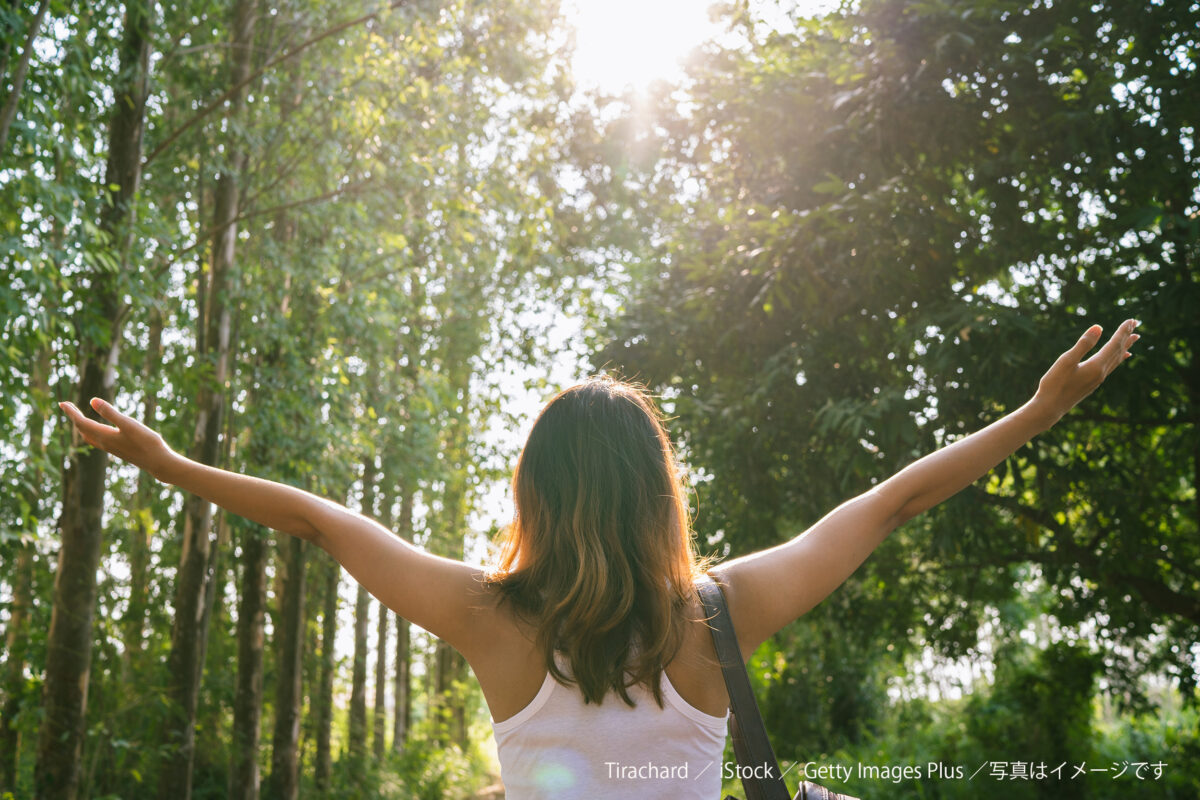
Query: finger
[(104, 409), (1112, 354), (1115, 347), (1085, 343), (87, 427), (1129, 344)]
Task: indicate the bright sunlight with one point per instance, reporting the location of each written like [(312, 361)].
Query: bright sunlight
[(631, 43)]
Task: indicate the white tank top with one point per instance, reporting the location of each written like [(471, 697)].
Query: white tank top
[(558, 748)]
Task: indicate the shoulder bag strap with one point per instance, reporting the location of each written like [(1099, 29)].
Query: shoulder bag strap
[(759, 767)]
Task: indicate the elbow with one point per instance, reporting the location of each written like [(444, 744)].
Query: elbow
[(911, 509), (309, 533), (894, 508), (302, 528)]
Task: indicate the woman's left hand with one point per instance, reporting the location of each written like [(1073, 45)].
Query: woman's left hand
[(1071, 379)]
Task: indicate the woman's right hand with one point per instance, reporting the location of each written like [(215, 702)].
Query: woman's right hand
[(129, 440)]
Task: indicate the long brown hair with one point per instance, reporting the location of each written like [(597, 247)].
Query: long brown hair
[(600, 556)]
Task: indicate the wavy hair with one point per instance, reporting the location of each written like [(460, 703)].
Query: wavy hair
[(600, 557)]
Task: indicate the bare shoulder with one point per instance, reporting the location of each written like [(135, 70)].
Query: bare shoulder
[(502, 651), (695, 672), (748, 596), (490, 624)]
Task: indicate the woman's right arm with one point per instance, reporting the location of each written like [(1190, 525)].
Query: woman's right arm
[(438, 594)]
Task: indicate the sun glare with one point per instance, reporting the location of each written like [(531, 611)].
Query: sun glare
[(628, 44), (623, 44)]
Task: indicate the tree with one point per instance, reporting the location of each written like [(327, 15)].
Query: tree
[(379, 719), (9, 111), (362, 608), (324, 767), (247, 709), (69, 644), (874, 234), (283, 783), (303, 230), (214, 345), (402, 693)]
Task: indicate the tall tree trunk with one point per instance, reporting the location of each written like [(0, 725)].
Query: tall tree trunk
[(380, 720), (16, 642), (285, 759), (362, 611), (191, 609), (143, 525), (358, 687), (450, 672), (403, 687), (324, 768), (247, 706), (451, 668), (244, 774), (16, 638), (403, 690), (69, 642), (214, 593)]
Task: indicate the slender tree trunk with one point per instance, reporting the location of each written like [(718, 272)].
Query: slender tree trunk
[(451, 668), (283, 783), (9, 111), (403, 690), (244, 774), (8, 35), (324, 768), (16, 638), (314, 601), (247, 706), (380, 720), (450, 673), (214, 590), (143, 525), (447, 539), (15, 645), (192, 590), (358, 688), (362, 611), (69, 643)]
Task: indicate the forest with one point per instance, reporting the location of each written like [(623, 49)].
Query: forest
[(353, 246)]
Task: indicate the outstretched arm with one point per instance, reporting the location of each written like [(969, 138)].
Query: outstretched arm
[(438, 594), (769, 589)]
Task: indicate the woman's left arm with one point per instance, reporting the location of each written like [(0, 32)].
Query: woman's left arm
[(769, 589)]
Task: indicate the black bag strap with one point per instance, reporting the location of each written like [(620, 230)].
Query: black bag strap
[(760, 773)]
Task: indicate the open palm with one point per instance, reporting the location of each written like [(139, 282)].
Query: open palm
[(1070, 378), (126, 438)]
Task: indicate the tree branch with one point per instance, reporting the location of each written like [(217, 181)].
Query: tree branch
[(207, 234), (10, 106), (1154, 592), (237, 87), (349, 188)]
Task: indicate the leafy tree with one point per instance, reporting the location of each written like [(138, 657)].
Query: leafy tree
[(386, 231), (871, 234)]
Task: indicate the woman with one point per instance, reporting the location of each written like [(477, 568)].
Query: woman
[(587, 637)]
